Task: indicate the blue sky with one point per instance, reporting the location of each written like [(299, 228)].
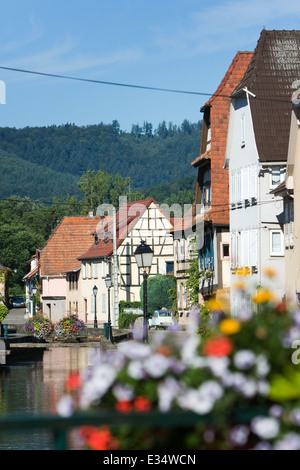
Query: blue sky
[(174, 44)]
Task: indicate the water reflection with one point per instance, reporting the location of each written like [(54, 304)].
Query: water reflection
[(35, 386)]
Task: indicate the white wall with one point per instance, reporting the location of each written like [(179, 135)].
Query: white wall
[(253, 211)]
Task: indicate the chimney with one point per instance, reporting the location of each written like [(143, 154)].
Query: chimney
[(91, 214)]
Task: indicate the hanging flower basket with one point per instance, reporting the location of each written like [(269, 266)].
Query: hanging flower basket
[(68, 328)]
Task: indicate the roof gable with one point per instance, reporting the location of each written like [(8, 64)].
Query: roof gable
[(70, 238), (126, 219), (271, 74)]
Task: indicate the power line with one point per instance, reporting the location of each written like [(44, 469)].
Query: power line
[(143, 87), (89, 80)]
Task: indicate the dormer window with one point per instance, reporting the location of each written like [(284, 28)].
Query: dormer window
[(206, 187)]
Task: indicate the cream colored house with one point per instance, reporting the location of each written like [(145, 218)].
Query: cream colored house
[(135, 221), (289, 189)]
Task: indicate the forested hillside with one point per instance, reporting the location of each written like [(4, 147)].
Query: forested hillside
[(50, 160), (49, 173)]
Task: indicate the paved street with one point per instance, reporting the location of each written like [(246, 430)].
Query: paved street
[(15, 316)]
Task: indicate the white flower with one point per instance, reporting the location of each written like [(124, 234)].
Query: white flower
[(239, 435), (193, 401), (290, 441), (65, 407), (211, 389), (218, 365), (156, 365), (136, 370), (167, 391), (244, 359), (101, 379), (189, 350), (262, 365), (123, 392), (249, 388), (265, 428), (134, 350), (263, 387)]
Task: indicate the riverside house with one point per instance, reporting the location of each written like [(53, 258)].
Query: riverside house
[(135, 221), (59, 256)]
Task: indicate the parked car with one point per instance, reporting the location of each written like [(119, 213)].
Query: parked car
[(161, 319), (18, 302)]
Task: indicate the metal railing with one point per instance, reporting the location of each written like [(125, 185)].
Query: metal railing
[(59, 426)]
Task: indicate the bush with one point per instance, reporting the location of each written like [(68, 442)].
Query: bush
[(126, 320), (3, 312), (125, 304), (39, 326), (159, 292)]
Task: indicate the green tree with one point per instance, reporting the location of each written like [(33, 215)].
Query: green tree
[(192, 284), (94, 187), (159, 292)]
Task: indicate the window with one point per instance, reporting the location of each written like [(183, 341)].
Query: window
[(224, 251), (95, 270), (276, 176), (83, 271), (208, 142), (206, 187), (289, 222), (276, 243), (88, 270), (103, 303), (243, 130), (169, 267), (104, 269)]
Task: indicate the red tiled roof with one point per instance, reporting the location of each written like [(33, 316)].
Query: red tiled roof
[(31, 273), (71, 237), (126, 218), (274, 68)]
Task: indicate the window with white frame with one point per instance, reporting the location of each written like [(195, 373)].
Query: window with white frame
[(88, 270), (276, 242), (243, 251), (83, 273), (103, 303), (104, 268), (289, 222), (208, 141), (243, 184), (95, 270)]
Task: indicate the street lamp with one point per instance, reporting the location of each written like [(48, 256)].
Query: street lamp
[(108, 283), (143, 256), (34, 292), (95, 292)]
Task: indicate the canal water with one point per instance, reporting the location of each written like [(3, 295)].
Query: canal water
[(34, 386)]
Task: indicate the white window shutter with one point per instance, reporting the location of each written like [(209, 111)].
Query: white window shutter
[(253, 182), (238, 186), (253, 247)]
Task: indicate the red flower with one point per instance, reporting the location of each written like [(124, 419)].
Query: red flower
[(281, 307), (218, 347), (142, 404), (101, 439), (73, 381), (123, 406)]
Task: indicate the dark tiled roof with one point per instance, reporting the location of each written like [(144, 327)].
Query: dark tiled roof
[(274, 67)]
